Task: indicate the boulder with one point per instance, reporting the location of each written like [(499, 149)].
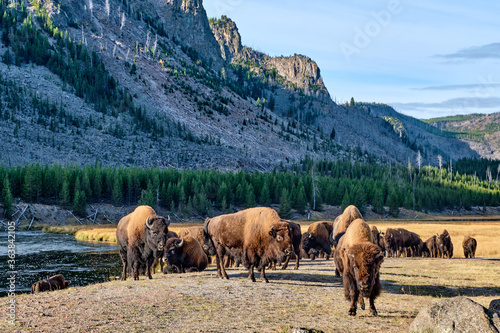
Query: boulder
[(495, 306), (457, 314)]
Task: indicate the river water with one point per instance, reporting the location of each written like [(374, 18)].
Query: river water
[(41, 255)]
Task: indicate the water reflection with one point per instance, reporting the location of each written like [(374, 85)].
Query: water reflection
[(41, 255)]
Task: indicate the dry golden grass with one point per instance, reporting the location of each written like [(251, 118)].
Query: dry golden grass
[(487, 234)]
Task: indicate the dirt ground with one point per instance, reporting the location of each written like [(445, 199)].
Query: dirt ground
[(310, 298)]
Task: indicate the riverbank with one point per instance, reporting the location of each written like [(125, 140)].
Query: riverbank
[(310, 297)]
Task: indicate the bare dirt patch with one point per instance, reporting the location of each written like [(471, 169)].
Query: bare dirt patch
[(310, 297)]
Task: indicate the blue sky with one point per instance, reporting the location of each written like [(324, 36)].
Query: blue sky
[(425, 58)]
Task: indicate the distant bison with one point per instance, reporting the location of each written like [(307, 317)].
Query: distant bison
[(430, 247), (393, 241), (141, 237), (378, 238), (184, 255), (257, 234), (469, 244), (444, 245), (55, 282), (317, 238)]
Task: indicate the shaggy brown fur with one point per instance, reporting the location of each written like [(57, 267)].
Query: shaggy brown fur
[(411, 244), (361, 276), (378, 238), (469, 244), (393, 241), (342, 222), (196, 233), (185, 254), (257, 233), (317, 238), (431, 247), (55, 282), (296, 236), (138, 244), (444, 245)]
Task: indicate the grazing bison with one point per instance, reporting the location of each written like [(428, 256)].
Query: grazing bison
[(141, 237), (184, 255), (444, 245), (317, 238), (343, 221), (411, 244), (378, 238), (257, 233), (55, 282), (393, 242), (469, 244)]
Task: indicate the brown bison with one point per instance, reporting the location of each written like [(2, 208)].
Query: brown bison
[(55, 282), (469, 244), (141, 237), (343, 221), (430, 247), (358, 259), (296, 235), (444, 245), (411, 244), (184, 255), (160, 254), (196, 233), (393, 241), (378, 238), (258, 234), (317, 238)]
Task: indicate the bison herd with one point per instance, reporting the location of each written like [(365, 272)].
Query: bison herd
[(258, 238)]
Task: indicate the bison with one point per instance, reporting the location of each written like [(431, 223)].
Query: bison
[(393, 242), (196, 233), (469, 244), (430, 247), (378, 238), (444, 245), (160, 254), (55, 282), (411, 243), (296, 236), (358, 259), (317, 238), (258, 234), (184, 255), (141, 237), (343, 221)]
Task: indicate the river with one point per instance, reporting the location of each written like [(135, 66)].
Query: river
[(41, 255)]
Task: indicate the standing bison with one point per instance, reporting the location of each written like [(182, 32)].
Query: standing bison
[(469, 244), (141, 237), (358, 259), (343, 221), (317, 238), (184, 255), (430, 247), (257, 234), (393, 242), (444, 245)]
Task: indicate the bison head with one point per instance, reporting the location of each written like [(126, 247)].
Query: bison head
[(309, 243), (208, 245), (280, 240), (336, 239), (156, 232), (173, 250), (364, 261)]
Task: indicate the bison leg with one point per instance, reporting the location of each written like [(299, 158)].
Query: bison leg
[(354, 299), (373, 310), (221, 271), (285, 264), (251, 276), (297, 262), (263, 274), (123, 256), (361, 302)]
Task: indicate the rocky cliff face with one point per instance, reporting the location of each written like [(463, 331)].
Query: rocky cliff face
[(227, 35)]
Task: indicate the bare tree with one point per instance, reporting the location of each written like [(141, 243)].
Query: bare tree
[(489, 176), (440, 163), (409, 168), (451, 170), (315, 187), (419, 161), (107, 8), (123, 21)]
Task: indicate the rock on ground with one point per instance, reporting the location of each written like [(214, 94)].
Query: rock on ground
[(457, 314)]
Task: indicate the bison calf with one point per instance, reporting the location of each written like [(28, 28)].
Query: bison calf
[(361, 276), (469, 244), (55, 282), (185, 255)]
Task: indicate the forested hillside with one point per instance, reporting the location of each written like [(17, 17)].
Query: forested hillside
[(308, 185)]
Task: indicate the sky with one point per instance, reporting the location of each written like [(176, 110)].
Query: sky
[(425, 58)]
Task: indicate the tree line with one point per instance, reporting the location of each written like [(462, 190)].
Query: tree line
[(307, 185)]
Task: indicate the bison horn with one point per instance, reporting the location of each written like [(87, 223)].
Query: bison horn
[(148, 225), (181, 243), (310, 235), (379, 254), (168, 220), (351, 255)]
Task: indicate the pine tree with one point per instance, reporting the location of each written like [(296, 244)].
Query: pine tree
[(65, 192), (7, 199), (80, 203), (148, 197), (250, 197), (117, 190), (393, 203), (285, 211), (265, 197), (378, 202), (346, 200)]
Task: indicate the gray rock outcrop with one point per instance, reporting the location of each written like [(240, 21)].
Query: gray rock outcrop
[(458, 314)]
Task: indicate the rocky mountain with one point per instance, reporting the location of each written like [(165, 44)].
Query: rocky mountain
[(156, 83)]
